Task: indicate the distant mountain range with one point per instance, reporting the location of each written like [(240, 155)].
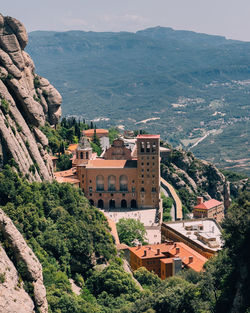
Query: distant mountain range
[(193, 89)]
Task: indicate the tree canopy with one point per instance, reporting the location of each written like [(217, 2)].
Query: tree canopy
[(131, 231)]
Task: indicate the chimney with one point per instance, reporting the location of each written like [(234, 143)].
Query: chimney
[(145, 253), (139, 246), (175, 245), (158, 251), (149, 248), (199, 200), (190, 259), (177, 250)]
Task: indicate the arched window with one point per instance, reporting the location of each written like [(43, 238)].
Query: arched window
[(133, 204), (123, 203), (100, 204), (87, 155), (112, 204), (111, 183), (81, 155), (142, 189), (99, 183), (91, 202), (123, 183)]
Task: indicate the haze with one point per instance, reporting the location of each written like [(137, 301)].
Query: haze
[(228, 18)]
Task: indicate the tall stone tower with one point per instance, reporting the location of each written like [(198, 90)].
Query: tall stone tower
[(83, 151), (148, 171)]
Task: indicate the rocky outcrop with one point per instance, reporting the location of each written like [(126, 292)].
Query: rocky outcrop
[(13, 297), (11, 290), (27, 101), (195, 177)]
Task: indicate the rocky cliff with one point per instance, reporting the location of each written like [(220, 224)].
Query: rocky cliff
[(13, 295), (27, 101), (193, 177)]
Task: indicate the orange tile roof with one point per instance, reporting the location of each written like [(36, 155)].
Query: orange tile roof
[(101, 163), (90, 132), (66, 173), (148, 136), (184, 253), (72, 147), (151, 250), (208, 204)]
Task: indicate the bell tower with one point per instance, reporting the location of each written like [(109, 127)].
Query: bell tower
[(83, 151), (148, 171)]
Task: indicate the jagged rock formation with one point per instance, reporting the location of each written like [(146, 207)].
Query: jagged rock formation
[(27, 101), (13, 298), (196, 177)]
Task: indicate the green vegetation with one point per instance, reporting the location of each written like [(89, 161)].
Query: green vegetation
[(5, 106), (233, 176), (2, 278), (131, 232), (37, 82), (64, 162), (113, 134), (67, 235), (71, 239), (95, 144), (167, 203)]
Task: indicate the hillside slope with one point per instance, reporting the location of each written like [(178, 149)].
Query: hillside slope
[(186, 86)]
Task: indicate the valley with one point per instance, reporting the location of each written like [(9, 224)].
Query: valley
[(180, 84)]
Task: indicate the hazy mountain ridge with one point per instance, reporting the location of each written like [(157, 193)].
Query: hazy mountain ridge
[(196, 85)]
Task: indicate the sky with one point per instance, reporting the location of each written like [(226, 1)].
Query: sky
[(229, 18)]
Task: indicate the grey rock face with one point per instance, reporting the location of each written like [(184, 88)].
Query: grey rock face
[(13, 298), (33, 267), (197, 177), (27, 101)]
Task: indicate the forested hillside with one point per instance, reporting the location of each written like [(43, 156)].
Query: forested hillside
[(71, 240), (186, 86)]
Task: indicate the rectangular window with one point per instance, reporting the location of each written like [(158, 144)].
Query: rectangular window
[(148, 147), (90, 189), (142, 147), (154, 147)]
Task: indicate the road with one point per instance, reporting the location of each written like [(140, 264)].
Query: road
[(172, 212), (170, 190)]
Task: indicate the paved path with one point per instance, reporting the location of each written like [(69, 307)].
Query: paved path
[(177, 201), (172, 211)]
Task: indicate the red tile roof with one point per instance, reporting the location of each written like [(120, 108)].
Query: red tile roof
[(184, 252), (90, 132), (208, 204), (148, 136), (101, 163)]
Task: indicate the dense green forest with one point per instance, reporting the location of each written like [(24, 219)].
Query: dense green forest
[(72, 240)]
